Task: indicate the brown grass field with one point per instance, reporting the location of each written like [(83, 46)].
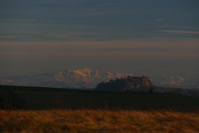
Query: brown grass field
[(97, 121)]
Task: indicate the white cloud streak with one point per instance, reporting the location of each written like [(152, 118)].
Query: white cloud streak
[(180, 31)]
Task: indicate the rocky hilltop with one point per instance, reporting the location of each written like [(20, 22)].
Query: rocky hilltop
[(142, 84), (130, 83)]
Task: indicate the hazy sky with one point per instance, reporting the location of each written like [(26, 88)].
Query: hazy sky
[(137, 36)]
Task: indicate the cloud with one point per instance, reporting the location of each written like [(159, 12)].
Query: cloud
[(180, 31), (126, 48), (160, 19)]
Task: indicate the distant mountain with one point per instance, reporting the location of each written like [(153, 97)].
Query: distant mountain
[(81, 78), (185, 81), (89, 78)]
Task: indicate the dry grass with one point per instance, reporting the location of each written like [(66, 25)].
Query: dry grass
[(50, 121)]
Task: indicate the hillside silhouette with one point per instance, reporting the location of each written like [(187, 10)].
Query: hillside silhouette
[(130, 83), (39, 98)]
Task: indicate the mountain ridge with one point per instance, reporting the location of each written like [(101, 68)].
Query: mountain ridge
[(89, 78)]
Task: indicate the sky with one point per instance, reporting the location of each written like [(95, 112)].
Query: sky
[(135, 36)]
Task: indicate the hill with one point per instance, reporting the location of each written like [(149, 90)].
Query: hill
[(142, 84), (55, 98), (130, 83)]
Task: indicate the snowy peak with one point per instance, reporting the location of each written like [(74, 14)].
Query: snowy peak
[(83, 72), (86, 77)]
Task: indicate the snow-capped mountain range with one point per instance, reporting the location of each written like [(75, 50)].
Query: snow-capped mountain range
[(89, 78)]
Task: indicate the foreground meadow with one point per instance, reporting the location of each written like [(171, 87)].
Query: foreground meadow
[(124, 121)]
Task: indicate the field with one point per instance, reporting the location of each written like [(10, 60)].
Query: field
[(99, 121), (36, 98), (46, 110)]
